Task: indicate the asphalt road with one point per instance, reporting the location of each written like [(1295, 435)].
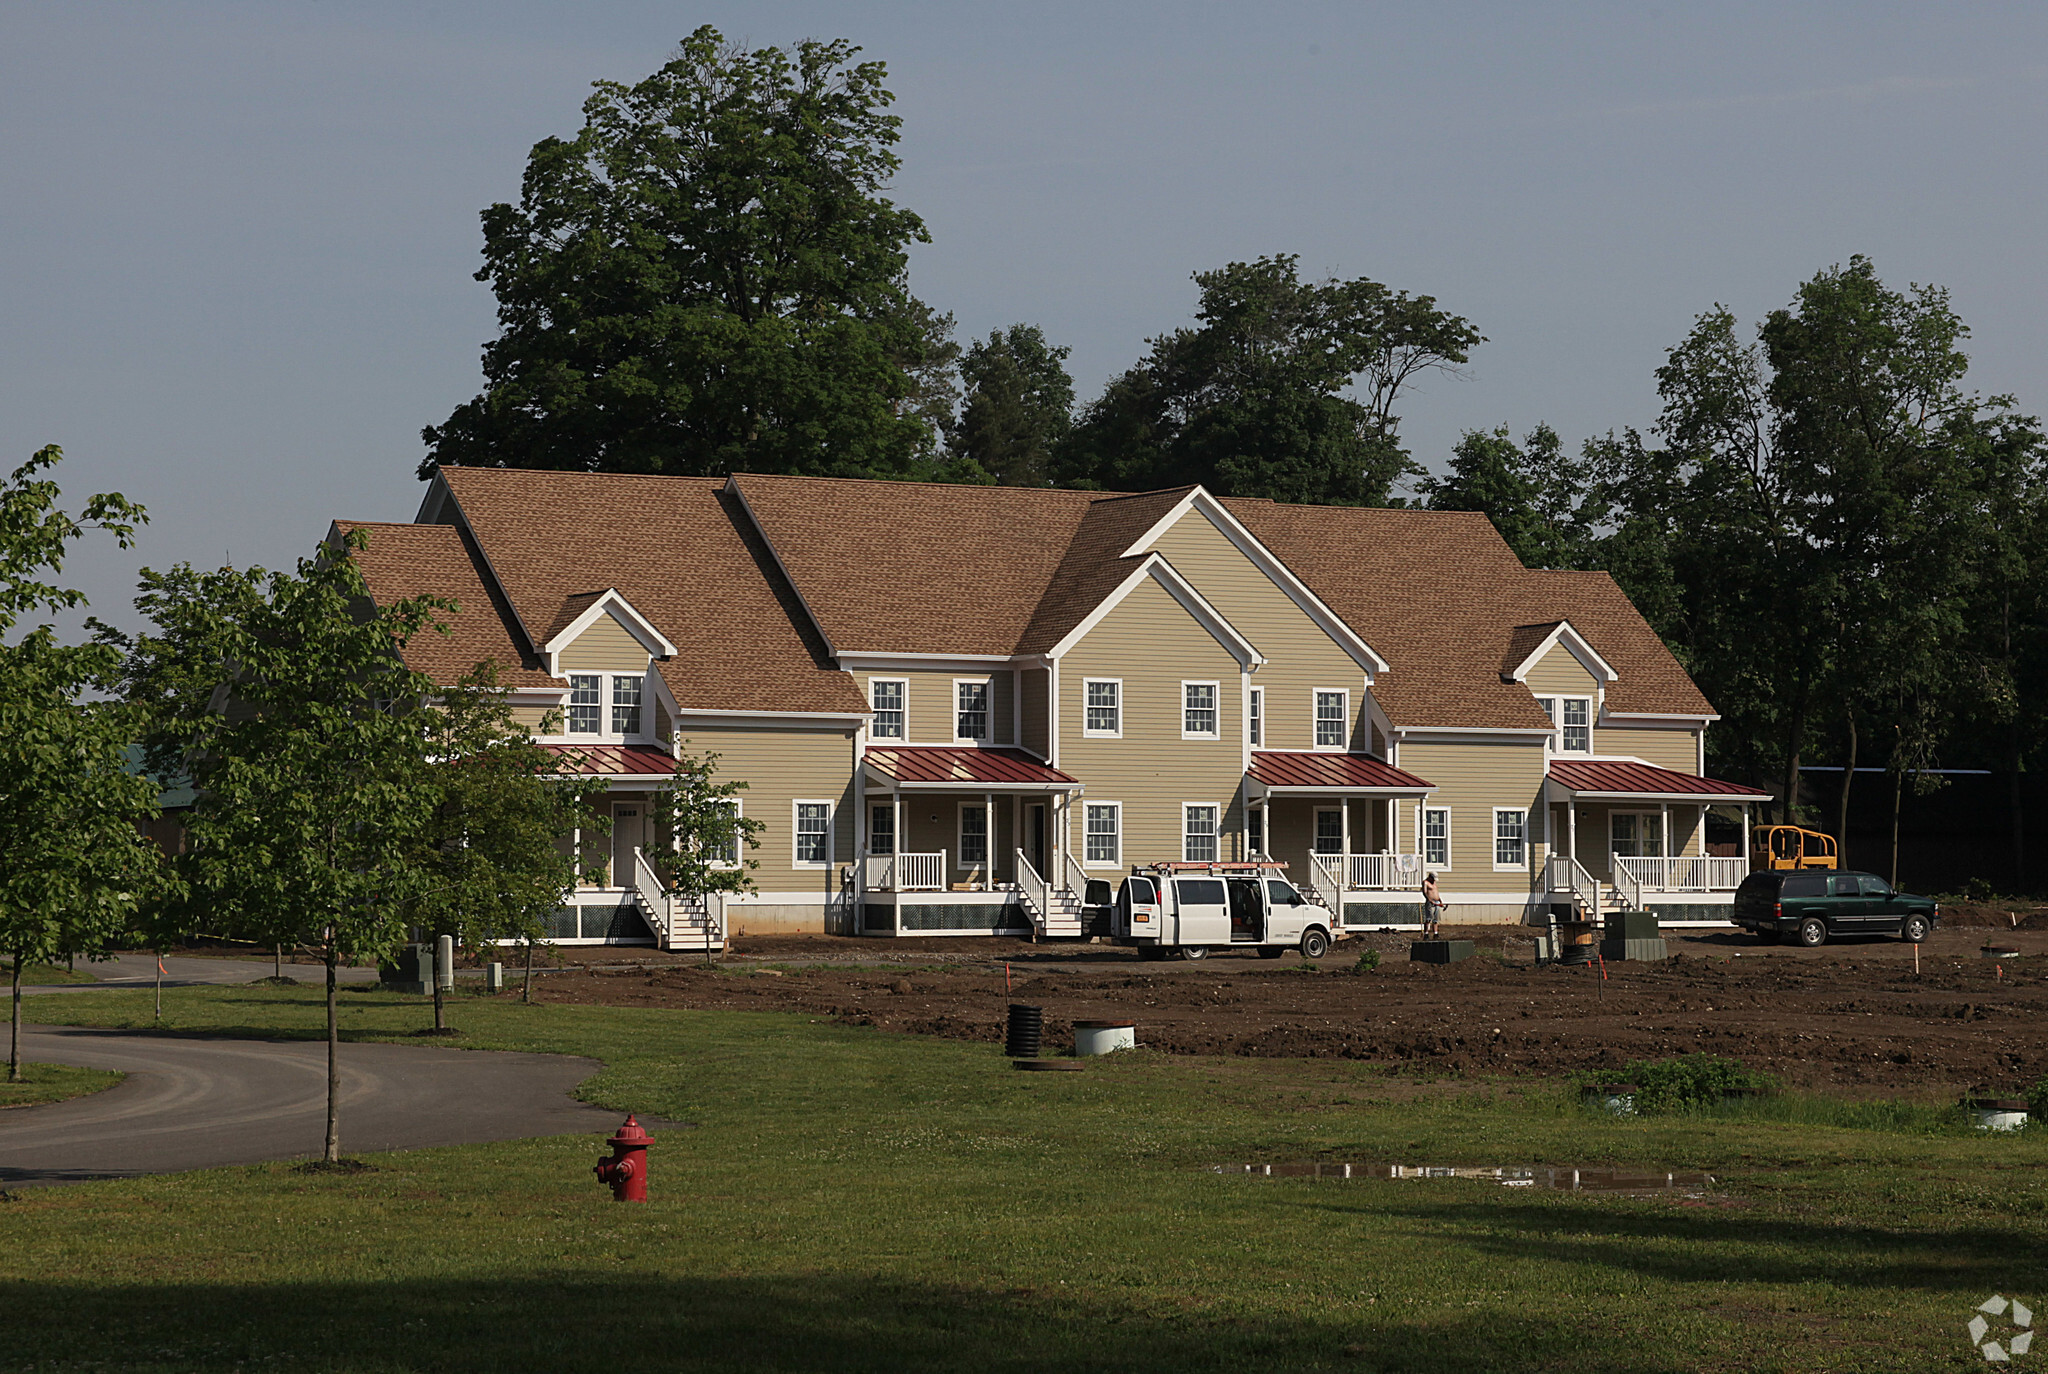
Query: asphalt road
[(197, 1102)]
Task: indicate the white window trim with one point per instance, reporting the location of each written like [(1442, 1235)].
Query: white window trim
[(1118, 861), (960, 863), (1498, 812), (988, 685), (1343, 744), (1315, 826), (1663, 840), (1216, 694), (1422, 839), (1592, 711), (1117, 733), (606, 704), (1255, 710), (739, 839), (904, 683), (831, 832), (1215, 835)]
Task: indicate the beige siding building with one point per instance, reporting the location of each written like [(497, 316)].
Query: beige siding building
[(974, 709)]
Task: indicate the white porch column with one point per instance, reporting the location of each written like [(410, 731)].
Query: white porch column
[(988, 844), (1571, 827), (1344, 829), (1664, 836)]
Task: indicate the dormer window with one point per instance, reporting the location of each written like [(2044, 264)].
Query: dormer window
[(586, 703), (590, 693), (1573, 719), (626, 705)]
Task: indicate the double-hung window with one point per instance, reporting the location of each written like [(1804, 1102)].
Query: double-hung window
[(973, 834), (1255, 832), (1102, 712), (1333, 718), (1256, 720), (1103, 837), (1198, 713), (586, 703), (1510, 838), (888, 699), (1436, 836), (1329, 831), (970, 716), (813, 833), (1198, 834), (882, 829), (1575, 725), (723, 848), (626, 705)]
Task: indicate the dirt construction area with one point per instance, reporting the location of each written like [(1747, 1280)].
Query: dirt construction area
[(1852, 1017)]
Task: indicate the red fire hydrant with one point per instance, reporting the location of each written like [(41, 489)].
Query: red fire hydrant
[(626, 1170)]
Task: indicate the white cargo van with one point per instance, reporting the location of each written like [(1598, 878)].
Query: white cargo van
[(1194, 908)]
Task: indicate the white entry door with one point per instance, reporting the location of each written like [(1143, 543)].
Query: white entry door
[(629, 832)]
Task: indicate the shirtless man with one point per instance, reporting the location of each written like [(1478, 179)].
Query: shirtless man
[(1432, 907)]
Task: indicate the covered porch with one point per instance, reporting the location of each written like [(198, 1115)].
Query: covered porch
[(1626, 834), (1335, 820), (965, 841)]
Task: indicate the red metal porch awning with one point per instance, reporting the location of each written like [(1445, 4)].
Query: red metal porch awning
[(612, 760), (923, 765), (1623, 780), (1299, 770)]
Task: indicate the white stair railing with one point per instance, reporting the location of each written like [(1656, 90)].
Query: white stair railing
[(881, 872), (1076, 876), (1036, 891), (653, 898), (1563, 873), (1326, 882)]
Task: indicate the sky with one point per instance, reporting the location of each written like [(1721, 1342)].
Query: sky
[(239, 239)]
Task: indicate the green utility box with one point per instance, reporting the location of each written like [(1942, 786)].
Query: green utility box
[(1633, 937), (1439, 951), (1632, 925)]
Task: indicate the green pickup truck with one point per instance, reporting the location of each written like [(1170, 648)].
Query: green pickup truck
[(1810, 905)]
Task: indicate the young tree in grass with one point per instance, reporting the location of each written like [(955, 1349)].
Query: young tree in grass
[(707, 835), (492, 850), (312, 749), (72, 863)]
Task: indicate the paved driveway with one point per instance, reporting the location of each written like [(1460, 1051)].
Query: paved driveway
[(196, 1102)]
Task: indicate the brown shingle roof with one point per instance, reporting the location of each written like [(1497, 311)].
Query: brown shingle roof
[(1444, 600), (683, 553), (403, 561)]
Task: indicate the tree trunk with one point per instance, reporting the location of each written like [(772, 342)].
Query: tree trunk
[(527, 995), (14, 1042), (1842, 806), (333, 1151), (278, 951), (159, 985), (2019, 846), (1898, 799)]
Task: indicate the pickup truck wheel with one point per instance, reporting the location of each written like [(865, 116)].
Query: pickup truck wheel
[(1314, 944), (1193, 952), (1813, 932), (1915, 929)]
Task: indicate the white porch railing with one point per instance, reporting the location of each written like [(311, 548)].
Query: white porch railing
[(1688, 873), (907, 872), (1563, 873), (653, 897), (1382, 872)]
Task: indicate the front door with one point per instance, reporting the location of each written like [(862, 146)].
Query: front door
[(629, 832), (1034, 836)]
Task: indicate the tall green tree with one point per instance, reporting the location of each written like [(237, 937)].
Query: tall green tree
[(707, 839), (72, 863), (709, 277), (1019, 407), (1538, 496), (494, 858), (314, 752), (1285, 389)]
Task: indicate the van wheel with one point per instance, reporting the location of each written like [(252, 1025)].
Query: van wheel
[(1813, 932), (1916, 929), (1193, 952), (1271, 951), (1314, 944)]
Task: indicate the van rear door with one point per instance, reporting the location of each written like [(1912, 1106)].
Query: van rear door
[(1203, 912), (1137, 909)]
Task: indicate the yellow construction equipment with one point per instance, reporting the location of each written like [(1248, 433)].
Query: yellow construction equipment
[(1787, 846)]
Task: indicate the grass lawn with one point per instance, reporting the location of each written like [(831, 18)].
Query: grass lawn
[(850, 1199), (52, 1083)]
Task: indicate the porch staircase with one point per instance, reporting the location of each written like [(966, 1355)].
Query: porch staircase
[(1055, 912), (679, 922)]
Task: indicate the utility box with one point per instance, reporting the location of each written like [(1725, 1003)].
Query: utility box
[(410, 970), (1632, 925), (1439, 951), (1633, 937)]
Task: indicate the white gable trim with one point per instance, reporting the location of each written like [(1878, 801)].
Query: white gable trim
[(1180, 589), (1268, 563), (1575, 644), (619, 609)]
